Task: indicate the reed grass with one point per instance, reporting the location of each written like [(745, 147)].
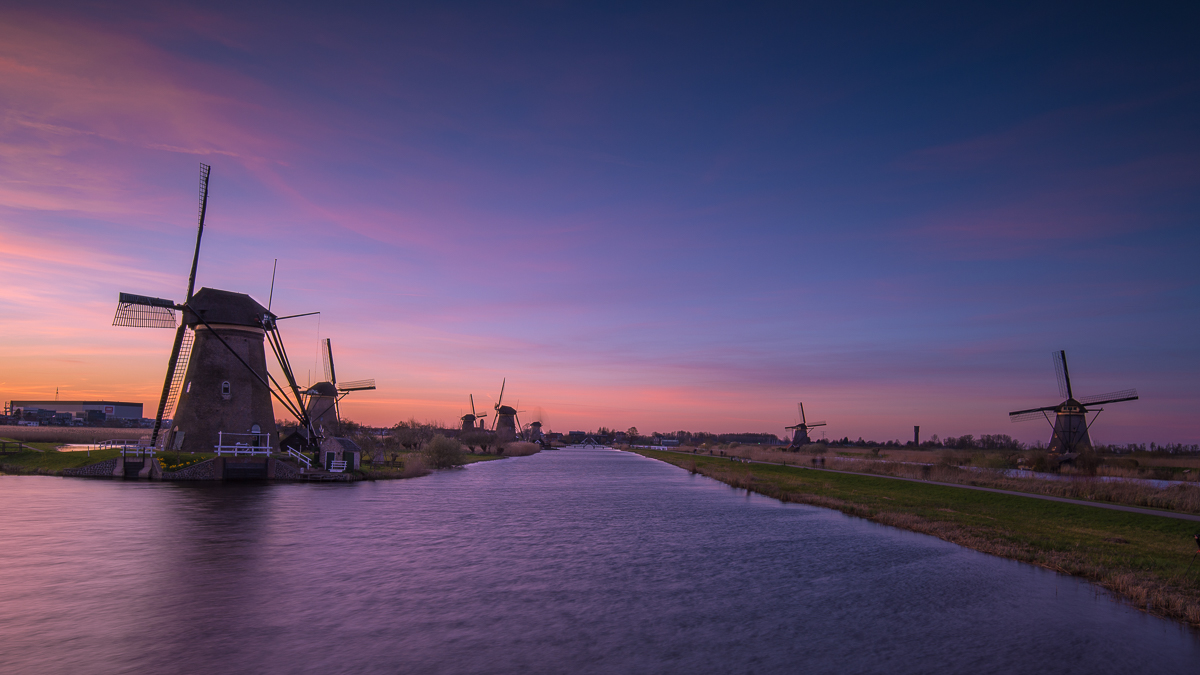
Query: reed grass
[(946, 469), (520, 449)]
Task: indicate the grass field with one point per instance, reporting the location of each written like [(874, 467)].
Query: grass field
[(51, 462), (1142, 559), (61, 435)]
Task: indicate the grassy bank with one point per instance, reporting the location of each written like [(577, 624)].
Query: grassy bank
[(1140, 558), (51, 462), (984, 470), (62, 435)]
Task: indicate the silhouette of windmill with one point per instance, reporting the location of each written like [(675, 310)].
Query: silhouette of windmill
[(217, 379), (1070, 423), (801, 436), (473, 420), (505, 424), (323, 397)]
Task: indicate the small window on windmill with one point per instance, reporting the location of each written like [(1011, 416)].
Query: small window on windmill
[(188, 389), (225, 390)]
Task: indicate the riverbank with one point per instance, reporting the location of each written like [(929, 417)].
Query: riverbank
[(1110, 484), (53, 463), (1140, 558)]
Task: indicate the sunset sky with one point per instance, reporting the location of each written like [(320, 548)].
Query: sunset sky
[(674, 216)]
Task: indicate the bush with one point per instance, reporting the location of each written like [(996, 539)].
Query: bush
[(413, 467), (519, 449), (476, 439), (443, 453)]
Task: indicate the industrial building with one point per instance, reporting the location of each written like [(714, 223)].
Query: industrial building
[(88, 411)]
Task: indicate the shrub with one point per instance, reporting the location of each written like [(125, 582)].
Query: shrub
[(476, 439), (519, 449), (414, 466), (443, 453)]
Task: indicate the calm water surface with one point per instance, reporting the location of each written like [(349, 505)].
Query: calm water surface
[(573, 561)]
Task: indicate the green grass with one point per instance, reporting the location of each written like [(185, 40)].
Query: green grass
[(1142, 558), (51, 462)]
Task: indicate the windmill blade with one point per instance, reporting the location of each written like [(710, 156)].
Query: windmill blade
[(501, 399), (174, 377), (1026, 416), (801, 407), (1111, 397), (1034, 412), (357, 385), (1127, 395), (327, 353), (815, 424), (1060, 371), (205, 170), (140, 311), (473, 405)]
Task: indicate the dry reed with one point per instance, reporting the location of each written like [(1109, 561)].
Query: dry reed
[(1184, 498)]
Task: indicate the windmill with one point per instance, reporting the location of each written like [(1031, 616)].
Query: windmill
[(323, 397), (505, 424), (801, 436), (1070, 423), (217, 380), (469, 421), (533, 433)]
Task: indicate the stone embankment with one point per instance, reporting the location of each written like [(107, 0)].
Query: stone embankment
[(105, 469), (198, 471)]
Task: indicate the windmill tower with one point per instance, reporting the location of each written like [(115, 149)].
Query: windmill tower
[(801, 436), (217, 383), (469, 422), (1070, 435), (535, 434), (323, 397), (505, 423)]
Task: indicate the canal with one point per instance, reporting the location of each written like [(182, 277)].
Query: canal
[(569, 561)]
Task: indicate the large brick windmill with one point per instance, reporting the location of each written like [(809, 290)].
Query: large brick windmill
[(801, 438), (1070, 417), (217, 389), (323, 397), (505, 423)]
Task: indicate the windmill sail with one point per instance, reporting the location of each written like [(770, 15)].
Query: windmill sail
[(357, 385), (173, 362), (327, 356), (181, 366), (140, 311)]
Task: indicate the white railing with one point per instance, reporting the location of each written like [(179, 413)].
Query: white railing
[(256, 444), (139, 450), (300, 458), (123, 443), (337, 465)]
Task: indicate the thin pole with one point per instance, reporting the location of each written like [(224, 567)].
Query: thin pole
[(272, 295)]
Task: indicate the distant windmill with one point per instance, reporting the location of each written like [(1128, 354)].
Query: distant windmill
[(801, 436), (505, 424), (469, 422), (1070, 417), (323, 397), (217, 379)]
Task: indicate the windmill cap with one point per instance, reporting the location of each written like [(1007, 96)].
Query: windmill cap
[(225, 307), (507, 410), (322, 389)]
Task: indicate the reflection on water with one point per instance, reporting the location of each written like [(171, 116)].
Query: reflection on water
[(568, 561)]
